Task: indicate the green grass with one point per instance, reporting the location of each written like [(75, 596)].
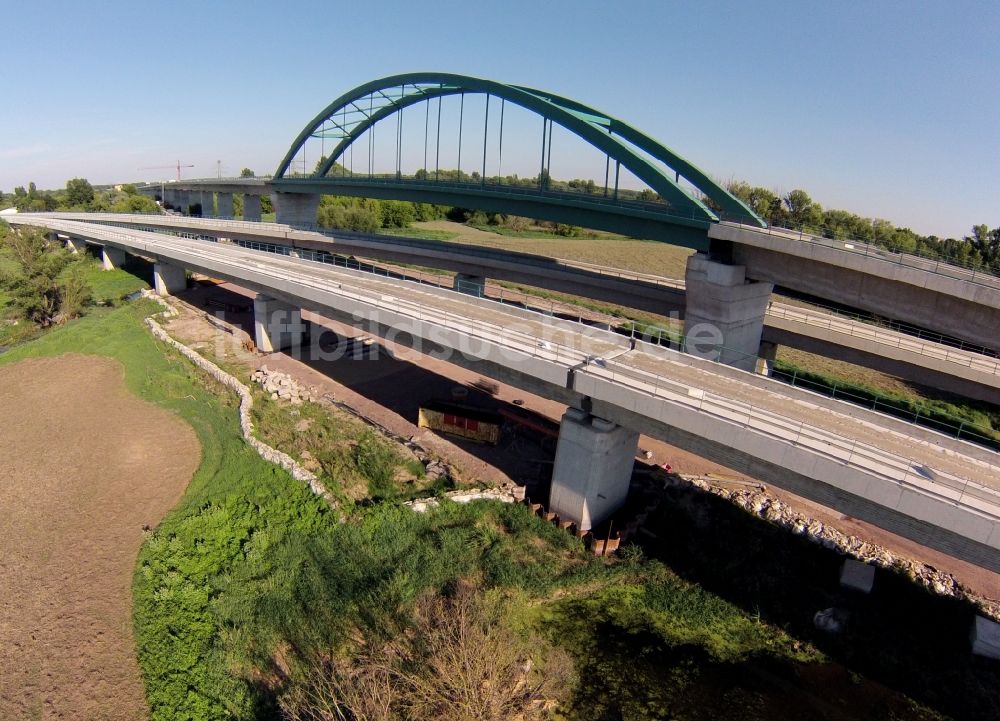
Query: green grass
[(422, 233), (354, 463), (112, 286), (783, 580), (584, 234)]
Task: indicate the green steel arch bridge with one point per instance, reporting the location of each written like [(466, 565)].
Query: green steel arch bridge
[(687, 201)]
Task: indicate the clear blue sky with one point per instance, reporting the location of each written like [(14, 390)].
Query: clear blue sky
[(886, 108)]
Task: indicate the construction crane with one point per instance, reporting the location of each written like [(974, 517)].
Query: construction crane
[(178, 166)]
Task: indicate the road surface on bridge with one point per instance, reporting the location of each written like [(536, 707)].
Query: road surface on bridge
[(965, 362)]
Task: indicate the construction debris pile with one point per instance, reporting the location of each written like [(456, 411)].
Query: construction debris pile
[(282, 386)]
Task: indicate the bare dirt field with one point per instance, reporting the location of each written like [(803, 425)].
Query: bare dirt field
[(84, 466)]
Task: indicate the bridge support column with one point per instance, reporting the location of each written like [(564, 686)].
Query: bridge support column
[(76, 246), (469, 284), (295, 208), (593, 468), (225, 205), (251, 207), (724, 316), (112, 258), (277, 325), (765, 357), (169, 197), (207, 204), (168, 279)]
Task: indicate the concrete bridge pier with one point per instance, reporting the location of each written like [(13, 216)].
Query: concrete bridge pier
[(251, 207), (765, 357), (277, 325), (207, 204), (112, 258), (168, 279), (593, 468), (76, 246), (225, 201), (169, 197), (295, 208), (724, 316), (469, 284)]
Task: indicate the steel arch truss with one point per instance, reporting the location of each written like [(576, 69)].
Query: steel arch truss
[(348, 117)]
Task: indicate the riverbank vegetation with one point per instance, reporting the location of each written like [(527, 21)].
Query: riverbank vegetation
[(254, 599)]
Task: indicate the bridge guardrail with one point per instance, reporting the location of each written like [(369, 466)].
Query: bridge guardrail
[(806, 434), (932, 264), (926, 349), (906, 470), (894, 339)]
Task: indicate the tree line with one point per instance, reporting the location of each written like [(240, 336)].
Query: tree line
[(798, 211), (78, 195)]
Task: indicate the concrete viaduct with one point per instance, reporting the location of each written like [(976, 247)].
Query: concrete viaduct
[(936, 490), (967, 373)]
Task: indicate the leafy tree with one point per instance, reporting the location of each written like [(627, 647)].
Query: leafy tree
[(986, 242), (79, 192), (802, 211), (246, 173), (135, 204), (130, 189), (396, 214), (34, 285), (19, 192)]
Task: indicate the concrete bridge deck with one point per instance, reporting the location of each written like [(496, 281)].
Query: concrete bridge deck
[(957, 370)]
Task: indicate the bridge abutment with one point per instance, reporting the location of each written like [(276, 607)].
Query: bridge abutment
[(225, 201), (724, 317), (277, 325), (593, 468), (168, 279), (251, 207), (295, 208), (469, 284), (112, 258)]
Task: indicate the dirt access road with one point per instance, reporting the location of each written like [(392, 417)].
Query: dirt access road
[(84, 465)]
